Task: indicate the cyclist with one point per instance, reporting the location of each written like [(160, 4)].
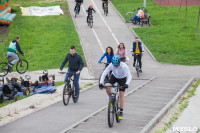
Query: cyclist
[(78, 3), (137, 49), (122, 52), (13, 48), (120, 74), (109, 55), (90, 9), (75, 66), (104, 1)]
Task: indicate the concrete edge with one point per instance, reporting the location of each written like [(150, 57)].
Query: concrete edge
[(164, 111), (117, 12), (81, 91), (88, 65), (96, 112)]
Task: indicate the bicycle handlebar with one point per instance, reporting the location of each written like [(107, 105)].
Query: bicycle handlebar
[(113, 86)]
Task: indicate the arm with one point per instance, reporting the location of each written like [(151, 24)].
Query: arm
[(64, 62), (116, 51), (93, 9), (142, 47), (82, 64), (106, 71), (102, 57), (18, 48), (129, 76)]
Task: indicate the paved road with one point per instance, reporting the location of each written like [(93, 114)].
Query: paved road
[(140, 107)]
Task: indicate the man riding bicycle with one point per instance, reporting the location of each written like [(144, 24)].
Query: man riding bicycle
[(75, 66), (78, 3), (104, 1), (90, 9), (120, 74), (13, 48), (137, 49)]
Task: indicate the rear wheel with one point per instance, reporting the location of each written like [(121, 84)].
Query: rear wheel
[(66, 94), (137, 70), (3, 69), (22, 66), (110, 112)]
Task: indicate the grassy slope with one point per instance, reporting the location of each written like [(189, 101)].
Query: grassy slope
[(168, 39), (44, 40)]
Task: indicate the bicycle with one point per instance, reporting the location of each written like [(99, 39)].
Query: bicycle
[(137, 66), (129, 16), (90, 19), (21, 66), (107, 76), (77, 8), (69, 89), (105, 8), (113, 105)]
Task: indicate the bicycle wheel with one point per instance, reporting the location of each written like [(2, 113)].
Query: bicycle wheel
[(22, 66), (91, 23), (137, 70), (3, 69), (111, 111), (66, 94), (117, 109), (129, 16)]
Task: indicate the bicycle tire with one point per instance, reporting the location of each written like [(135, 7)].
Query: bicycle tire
[(129, 16), (66, 91), (111, 114), (3, 69), (91, 23), (20, 65)]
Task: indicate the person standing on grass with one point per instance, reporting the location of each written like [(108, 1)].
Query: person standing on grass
[(137, 49), (13, 48), (121, 52), (75, 66)]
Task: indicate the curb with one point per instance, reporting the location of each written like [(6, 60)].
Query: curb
[(96, 112), (164, 111), (88, 65)]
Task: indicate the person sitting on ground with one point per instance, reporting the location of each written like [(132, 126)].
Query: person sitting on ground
[(13, 48), (121, 52), (138, 16), (109, 55), (78, 2), (90, 9)]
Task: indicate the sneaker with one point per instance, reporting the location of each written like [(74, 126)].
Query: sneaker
[(133, 64), (111, 105), (120, 115), (140, 70), (75, 99)]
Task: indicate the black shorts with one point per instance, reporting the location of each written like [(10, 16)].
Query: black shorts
[(121, 82)]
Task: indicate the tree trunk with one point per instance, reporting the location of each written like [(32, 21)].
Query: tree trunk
[(186, 15), (198, 22)]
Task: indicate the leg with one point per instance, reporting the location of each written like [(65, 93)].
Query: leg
[(121, 95), (102, 5), (79, 8), (111, 81), (76, 82), (108, 89), (66, 77), (134, 60), (139, 59), (87, 18), (16, 58), (134, 18)]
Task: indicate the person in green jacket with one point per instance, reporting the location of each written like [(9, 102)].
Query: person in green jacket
[(13, 48)]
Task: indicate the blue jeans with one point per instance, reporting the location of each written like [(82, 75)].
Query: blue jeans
[(135, 18), (76, 81)]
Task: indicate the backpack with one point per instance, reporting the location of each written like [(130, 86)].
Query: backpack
[(142, 13)]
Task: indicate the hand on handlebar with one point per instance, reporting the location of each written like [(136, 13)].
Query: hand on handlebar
[(101, 86)]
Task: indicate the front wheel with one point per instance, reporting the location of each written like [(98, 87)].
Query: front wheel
[(117, 109), (22, 66), (129, 16), (66, 94), (3, 69), (111, 111)]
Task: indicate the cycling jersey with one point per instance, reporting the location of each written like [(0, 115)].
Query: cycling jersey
[(121, 72)]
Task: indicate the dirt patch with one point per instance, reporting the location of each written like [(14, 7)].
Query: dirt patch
[(178, 2), (3, 29)]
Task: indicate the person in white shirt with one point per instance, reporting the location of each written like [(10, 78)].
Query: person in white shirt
[(137, 17), (120, 74)]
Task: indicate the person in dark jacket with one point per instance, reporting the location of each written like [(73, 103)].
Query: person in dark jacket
[(78, 3), (89, 11), (137, 49), (75, 66), (13, 48)]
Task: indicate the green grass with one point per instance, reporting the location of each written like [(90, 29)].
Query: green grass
[(168, 39), (44, 40), (59, 83)]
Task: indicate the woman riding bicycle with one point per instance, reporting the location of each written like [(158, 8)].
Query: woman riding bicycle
[(121, 52), (90, 9), (109, 55)]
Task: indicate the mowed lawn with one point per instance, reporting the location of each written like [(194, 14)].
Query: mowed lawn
[(44, 40), (168, 39)]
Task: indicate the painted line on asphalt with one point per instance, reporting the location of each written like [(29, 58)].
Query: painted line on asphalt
[(96, 112), (106, 23), (102, 49)]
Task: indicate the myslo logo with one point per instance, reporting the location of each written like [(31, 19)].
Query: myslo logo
[(185, 129)]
